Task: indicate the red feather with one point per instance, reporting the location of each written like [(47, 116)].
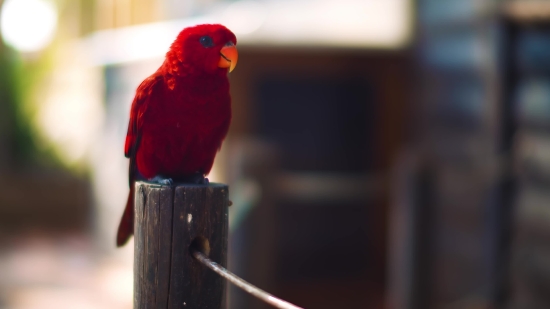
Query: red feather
[(180, 115)]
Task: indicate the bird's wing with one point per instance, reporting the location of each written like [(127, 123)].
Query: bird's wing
[(145, 94)]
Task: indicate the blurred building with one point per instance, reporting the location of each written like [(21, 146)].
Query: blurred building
[(465, 230)]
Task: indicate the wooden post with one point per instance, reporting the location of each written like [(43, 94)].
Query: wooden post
[(168, 220)]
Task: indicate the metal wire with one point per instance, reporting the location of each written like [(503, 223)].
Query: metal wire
[(247, 287)]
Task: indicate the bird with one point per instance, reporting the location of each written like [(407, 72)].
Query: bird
[(180, 115)]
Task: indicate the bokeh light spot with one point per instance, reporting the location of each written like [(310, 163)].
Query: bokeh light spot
[(28, 25)]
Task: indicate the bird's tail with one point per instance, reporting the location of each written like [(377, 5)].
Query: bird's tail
[(126, 227)]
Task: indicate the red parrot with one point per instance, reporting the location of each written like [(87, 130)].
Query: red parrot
[(180, 114)]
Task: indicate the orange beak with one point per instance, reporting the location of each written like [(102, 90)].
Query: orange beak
[(228, 57)]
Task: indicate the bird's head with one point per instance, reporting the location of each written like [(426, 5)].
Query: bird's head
[(208, 48)]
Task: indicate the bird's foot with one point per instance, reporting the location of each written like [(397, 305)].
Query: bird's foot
[(163, 181), (199, 179)]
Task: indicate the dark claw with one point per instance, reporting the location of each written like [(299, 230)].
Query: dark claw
[(199, 179), (167, 181), (162, 180)]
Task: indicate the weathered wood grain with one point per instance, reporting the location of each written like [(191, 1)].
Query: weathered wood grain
[(167, 221)]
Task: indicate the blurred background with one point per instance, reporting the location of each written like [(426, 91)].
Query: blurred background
[(383, 154)]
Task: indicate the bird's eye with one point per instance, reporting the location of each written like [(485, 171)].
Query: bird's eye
[(206, 41)]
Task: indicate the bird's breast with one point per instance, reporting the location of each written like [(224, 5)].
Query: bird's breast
[(182, 135)]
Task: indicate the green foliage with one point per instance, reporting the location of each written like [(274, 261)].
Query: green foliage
[(17, 137)]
